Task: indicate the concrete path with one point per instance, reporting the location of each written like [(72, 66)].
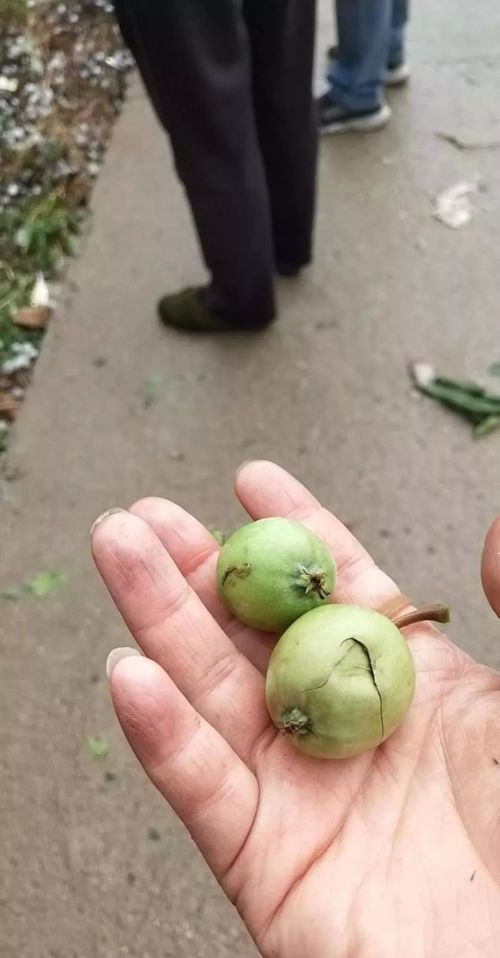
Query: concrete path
[(325, 392)]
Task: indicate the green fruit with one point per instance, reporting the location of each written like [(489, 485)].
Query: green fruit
[(340, 681), (272, 571)]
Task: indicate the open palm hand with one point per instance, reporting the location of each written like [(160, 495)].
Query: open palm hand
[(393, 853)]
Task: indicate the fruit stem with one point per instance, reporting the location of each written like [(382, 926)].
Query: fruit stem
[(431, 613)]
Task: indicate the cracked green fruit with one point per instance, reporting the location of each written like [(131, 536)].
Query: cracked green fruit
[(272, 571), (340, 681)]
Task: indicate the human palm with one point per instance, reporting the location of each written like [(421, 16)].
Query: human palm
[(396, 852)]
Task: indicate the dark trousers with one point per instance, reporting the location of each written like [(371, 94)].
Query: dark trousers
[(231, 82)]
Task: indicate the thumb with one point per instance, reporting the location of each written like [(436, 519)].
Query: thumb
[(490, 566)]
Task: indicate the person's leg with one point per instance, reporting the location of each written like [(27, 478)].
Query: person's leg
[(400, 15), (397, 70), (194, 60), (282, 44), (356, 74)]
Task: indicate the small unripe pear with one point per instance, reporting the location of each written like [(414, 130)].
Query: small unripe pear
[(272, 571), (340, 681)]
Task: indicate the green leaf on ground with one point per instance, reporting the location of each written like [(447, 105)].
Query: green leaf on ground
[(486, 426), (97, 747), (494, 369), (44, 583), (13, 593), (151, 389), (467, 399)]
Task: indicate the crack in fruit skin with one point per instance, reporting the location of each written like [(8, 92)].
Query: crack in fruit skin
[(296, 722), (316, 688), (340, 681), (374, 680)]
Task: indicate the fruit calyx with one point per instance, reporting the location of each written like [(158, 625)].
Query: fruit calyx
[(294, 722), (312, 580)]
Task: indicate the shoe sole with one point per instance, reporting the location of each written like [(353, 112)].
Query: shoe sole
[(397, 77), (361, 124)]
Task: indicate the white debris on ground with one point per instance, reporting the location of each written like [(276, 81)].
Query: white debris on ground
[(40, 294), (22, 356), (8, 84), (453, 206)]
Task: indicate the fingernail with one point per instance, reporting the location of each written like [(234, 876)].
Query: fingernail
[(243, 466), (117, 655), (109, 512)]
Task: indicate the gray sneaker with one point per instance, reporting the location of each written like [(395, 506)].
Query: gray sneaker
[(333, 118), (397, 75)]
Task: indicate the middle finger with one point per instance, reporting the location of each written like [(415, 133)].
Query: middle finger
[(174, 628), (195, 552)]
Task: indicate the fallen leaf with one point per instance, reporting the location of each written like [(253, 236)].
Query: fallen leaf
[(32, 317), (151, 389), (44, 583), (40, 586), (154, 835), (8, 405), (97, 746), (13, 593), (23, 236), (494, 369), (468, 399), (487, 425)]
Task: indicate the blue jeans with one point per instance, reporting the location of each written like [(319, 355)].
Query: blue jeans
[(371, 36)]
